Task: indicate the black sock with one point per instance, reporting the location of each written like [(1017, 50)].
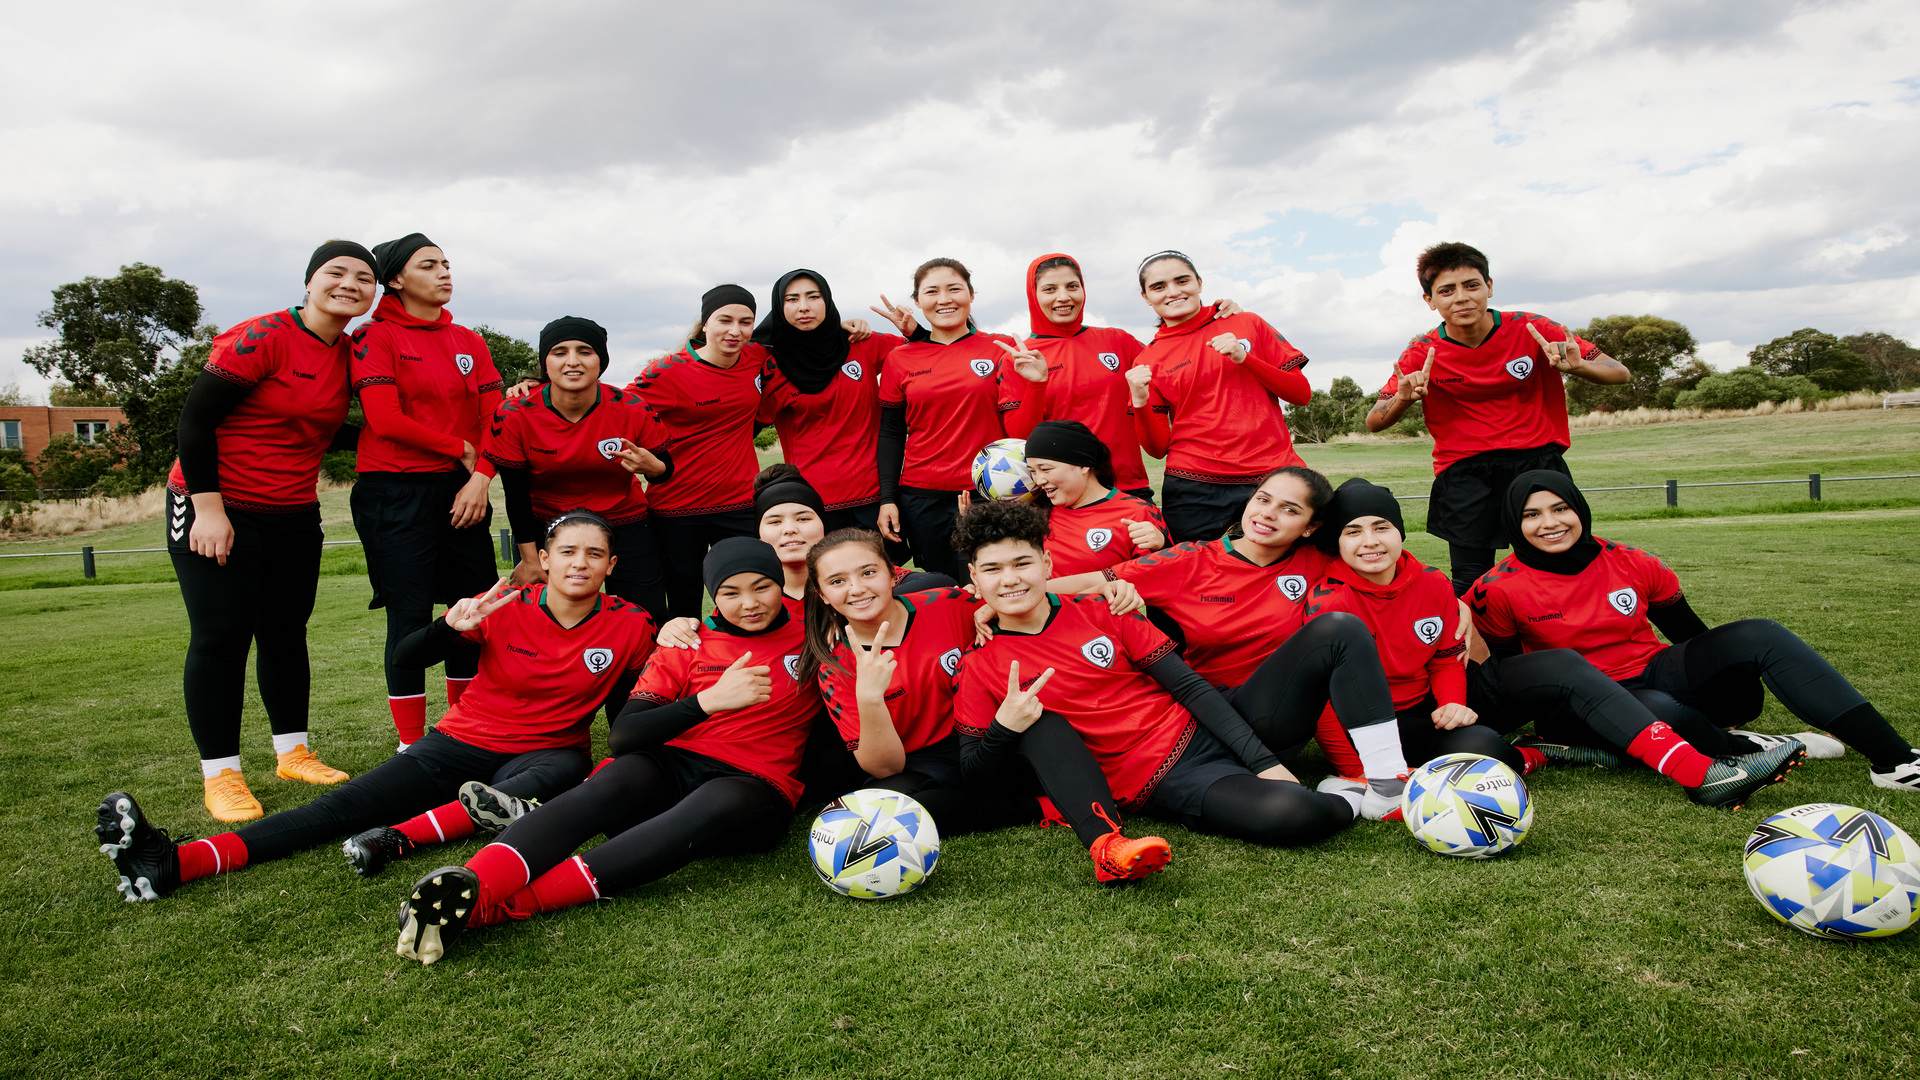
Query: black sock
[(1863, 728)]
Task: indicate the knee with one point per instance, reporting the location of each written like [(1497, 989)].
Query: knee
[(1340, 626), (1759, 631)]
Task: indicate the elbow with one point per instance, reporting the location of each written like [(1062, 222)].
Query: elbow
[(881, 764)]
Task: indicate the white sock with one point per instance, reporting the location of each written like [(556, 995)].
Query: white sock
[(210, 767), (290, 741), (1379, 748)]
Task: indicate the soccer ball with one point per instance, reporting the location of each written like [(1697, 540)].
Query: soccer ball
[(1466, 805), (1000, 471), (1835, 871), (874, 843)]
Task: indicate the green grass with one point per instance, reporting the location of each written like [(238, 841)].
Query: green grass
[(1618, 941)]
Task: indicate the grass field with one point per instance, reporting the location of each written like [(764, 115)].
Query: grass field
[(1618, 941)]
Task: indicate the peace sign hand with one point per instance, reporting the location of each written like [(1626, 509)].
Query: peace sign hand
[(1564, 355), (1229, 346), (1030, 364), (471, 611), (638, 460), (1139, 377), (1413, 384), (899, 317), (738, 687), (1021, 708), (873, 669)]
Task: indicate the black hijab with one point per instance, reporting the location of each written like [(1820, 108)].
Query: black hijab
[(1357, 498), (808, 358), (1565, 563)]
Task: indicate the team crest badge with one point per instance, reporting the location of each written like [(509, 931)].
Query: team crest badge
[(597, 660), (1624, 601), (464, 362), (793, 666), (609, 447), (1428, 629), (982, 367), (1520, 367), (1292, 586), (950, 661), (1246, 346), (1099, 650), (1098, 539), (759, 384), (851, 369), (1110, 361)]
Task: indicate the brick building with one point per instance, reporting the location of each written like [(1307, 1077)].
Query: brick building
[(31, 427)]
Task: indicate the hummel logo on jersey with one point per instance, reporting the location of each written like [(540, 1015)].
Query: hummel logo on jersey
[(609, 447), (1428, 630), (1520, 367), (950, 661), (982, 367), (1292, 586), (1099, 650), (1110, 361), (1098, 539), (177, 518), (597, 660), (793, 666), (463, 361), (1624, 601), (851, 369)]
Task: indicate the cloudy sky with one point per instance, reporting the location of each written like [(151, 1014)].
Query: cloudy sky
[(1745, 168)]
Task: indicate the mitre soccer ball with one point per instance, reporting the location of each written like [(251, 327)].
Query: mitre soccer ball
[(874, 843), (1000, 471), (1466, 805), (1835, 871)]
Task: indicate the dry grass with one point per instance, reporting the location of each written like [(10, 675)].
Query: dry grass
[(67, 518), (1859, 399)]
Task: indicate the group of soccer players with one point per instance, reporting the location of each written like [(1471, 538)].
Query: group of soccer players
[(1093, 655)]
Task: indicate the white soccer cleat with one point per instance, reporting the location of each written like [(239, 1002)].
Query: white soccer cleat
[(1902, 777)]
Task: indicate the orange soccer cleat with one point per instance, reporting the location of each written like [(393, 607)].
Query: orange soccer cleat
[(229, 799), (1117, 859), (300, 764)]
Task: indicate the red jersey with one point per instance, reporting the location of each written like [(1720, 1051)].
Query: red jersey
[(1086, 381), (952, 397), (1217, 421), (833, 437), (1412, 619), (920, 697), (1235, 612), (709, 412), (426, 388), (1134, 727), (271, 444), (1600, 613), (540, 682), (1501, 394), (767, 739), (1083, 539), (573, 461)]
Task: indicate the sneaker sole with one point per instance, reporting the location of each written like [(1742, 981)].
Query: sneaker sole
[(440, 903), (360, 858), (117, 821), (1143, 866), (483, 805)]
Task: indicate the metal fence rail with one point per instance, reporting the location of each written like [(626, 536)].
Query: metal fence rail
[(1672, 487), (87, 552)]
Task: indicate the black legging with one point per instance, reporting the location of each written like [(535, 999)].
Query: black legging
[(1277, 813), (1469, 564), (1423, 742), (653, 826), (927, 518), (427, 774), (262, 597), (1331, 659), (867, 516), (1568, 700), (1049, 758), (416, 558), (683, 542)]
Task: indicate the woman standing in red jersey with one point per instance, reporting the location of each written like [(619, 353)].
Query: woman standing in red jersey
[(243, 519), (939, 404), (428, 387), (1090, 525), (1204, 399), (577, 443)]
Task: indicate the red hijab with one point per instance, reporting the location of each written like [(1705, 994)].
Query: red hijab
[(1036, 316)]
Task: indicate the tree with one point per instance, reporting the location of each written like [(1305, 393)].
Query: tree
[(1650, 347), (1745, 387), (1816, 355), (62, 395), (1685, 377), (11, 394), (514, 358), (1894, 363), (1332, 412)]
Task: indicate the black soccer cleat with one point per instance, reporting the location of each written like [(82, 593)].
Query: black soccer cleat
[(492, 809), (147, 858), (435, 910), (370, 852), (1562, 754), (1731, 781)]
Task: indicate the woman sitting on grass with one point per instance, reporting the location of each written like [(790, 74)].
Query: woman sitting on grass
[(548, 655)]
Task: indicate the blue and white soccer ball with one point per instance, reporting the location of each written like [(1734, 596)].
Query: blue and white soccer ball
[(1835, 871), (1000, 471), (1467, 805), (874, 843)]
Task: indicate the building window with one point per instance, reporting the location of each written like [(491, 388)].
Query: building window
[(9, 434), (88, 430)]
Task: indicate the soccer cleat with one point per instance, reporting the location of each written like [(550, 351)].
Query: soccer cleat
[(1817, 745), (228, 798), (1117, 859), (1731, 781), (1375, 800), (147, 858), (370, 852), (492, 809), (300, 764), (1560, 754), (436, 909), (1902, 777)]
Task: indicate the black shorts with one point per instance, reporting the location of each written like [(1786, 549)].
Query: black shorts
[(1197, 510), (1204, 762), (938, 762), (689, 770), (414, 554), (1464, 507), (294, 533)]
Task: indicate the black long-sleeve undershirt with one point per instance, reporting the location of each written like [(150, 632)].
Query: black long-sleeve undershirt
[(644, 723), (210, 401), (432, 644), (893, 451), (1676, 619)]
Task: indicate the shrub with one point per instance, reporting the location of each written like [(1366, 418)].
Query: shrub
[(765, 438), (1746, 387), (68, 465), (338, 467)]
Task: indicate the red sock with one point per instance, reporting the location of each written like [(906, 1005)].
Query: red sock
[(222, 854), (1050, 814), (456, 687), (440, 825), (502, 872), (409, 717), (564, 886), (1532, 758), (1671, 756)]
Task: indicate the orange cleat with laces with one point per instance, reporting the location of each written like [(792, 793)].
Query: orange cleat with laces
[(1117, 859), (229, 799), (300, 764)]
